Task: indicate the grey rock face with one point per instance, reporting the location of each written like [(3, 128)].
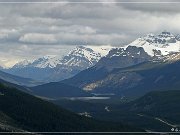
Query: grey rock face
[(120, 58)]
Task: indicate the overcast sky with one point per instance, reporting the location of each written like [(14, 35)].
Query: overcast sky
[(31, 30)]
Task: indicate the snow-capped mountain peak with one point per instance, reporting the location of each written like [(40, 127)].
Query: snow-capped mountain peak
[(164, 42), (161, 39), (85, 56), (83, 51)]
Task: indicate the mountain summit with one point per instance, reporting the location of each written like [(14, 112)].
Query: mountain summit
[(164, 43)]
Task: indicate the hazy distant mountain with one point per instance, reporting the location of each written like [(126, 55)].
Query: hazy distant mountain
[(44, 62), (50, 68), (18, 80)]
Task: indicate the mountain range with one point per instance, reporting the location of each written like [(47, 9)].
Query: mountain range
[(129, 71), (56, 68)]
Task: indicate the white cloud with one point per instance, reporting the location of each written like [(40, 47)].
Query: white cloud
[(8, 34), (77, 29), (63, 38), (3, 35), (38, 38)]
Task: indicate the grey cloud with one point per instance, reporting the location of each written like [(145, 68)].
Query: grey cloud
[(77, 29), (105, 19), (156, 7), (38, 38), (9, 35), (73, 39)]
